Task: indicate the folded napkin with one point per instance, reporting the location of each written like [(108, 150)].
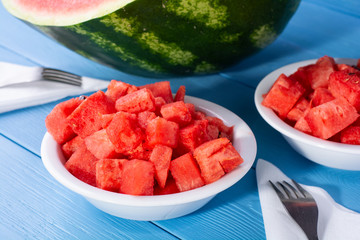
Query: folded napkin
[(335, 222), (28, 94)]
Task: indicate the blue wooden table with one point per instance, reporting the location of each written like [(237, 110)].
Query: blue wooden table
[(35, 206)]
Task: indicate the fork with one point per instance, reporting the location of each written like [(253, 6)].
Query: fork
[(15, 74), (300, 205)]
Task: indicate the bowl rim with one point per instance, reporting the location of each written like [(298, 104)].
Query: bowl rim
[(244, 142), (273, 120)]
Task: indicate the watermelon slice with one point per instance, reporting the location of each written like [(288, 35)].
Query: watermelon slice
[(186, 173), (124, 132), (135, 102), (283, 95), (161, 157), (71, 146), (145, 117), (331, 117), (351, 135), (137, 177), (82, 164), (180, 94), (318, 73), (320, 96), (56, 122), (86, 118), (298, 110), (108, 174)]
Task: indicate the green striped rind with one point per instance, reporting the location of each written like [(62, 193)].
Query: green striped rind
[(177, 37)]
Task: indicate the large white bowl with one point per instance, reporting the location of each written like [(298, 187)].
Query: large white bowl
[(150, 208), (331, 154)]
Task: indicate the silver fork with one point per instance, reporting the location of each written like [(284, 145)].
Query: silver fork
[(15, 74), (300, 205)]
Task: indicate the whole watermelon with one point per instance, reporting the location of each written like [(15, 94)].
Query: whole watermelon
[(160, 38)]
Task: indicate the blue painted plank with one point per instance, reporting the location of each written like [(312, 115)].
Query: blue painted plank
[(33, 205), (349, 7)]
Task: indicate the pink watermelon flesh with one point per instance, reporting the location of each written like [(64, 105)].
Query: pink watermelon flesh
[(176, 112), (71, 146), (137, 177), (135, 102), (160, 89), (180, 94), (330, 118), (117, 89), (161, 157), (162, 131), (108, 174), (351, 135), (100, 145)]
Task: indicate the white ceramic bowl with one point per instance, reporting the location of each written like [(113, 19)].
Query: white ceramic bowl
[(331, 154), (151, 208)]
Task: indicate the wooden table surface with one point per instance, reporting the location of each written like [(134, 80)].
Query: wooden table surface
[(33, 205)]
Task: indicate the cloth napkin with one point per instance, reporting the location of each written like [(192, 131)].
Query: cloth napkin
[(335, 221), (28, 94)]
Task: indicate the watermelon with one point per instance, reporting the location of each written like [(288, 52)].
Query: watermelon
[(161, 157), (135, 102), (100, 145), (71, 146), (108, 174), (176, 112), (162, 131), (160, 38)]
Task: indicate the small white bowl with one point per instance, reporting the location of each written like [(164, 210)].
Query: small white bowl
[(327, 153), (152, 208)]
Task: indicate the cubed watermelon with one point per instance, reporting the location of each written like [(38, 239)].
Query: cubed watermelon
[(108, 174), (160, 89), (298, 110), (224, 131), (176, 112), (135, 102), (186, 173), (142, 152), (228, 157), (137, 177), (159, 102), (124, 132), (71, 146), (283, 95), (100, 145), (320, 96), (351, 135), (331, 117), (192, 136), (82, 164), (161, 157), (106, 119), (302, 125), (86, 118), (56, 122), (170, 187), (180, 94), (117, 89), (346, 84), (144, 118), (162, 131)]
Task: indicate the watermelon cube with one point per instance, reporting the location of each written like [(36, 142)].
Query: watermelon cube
[(180, 94), (351, 135), (298, 110), (192, 136), (137, 177), (176, 112), (71, 146), (331, 117), (320, 96), (283, 95), (86, 118), (224, 131), (162, 131), (161, 157), (346, 84), (208, 156), (160, 89), (302, 125), (117, 89), (145, 117), (100, 145), (142, 152), (82, 164), (169, 188), (124, 132), (186, 173), (159, 102), (135, 102), (228, 157), (106, 119), (108, 174), (56, 122)]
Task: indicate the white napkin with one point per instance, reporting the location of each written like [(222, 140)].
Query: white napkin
[(335, 221), (28, 94)]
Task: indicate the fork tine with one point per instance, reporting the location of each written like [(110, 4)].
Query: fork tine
[(61, 76), (286, 190), (302, 190), (294, 190), (278, 192)]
